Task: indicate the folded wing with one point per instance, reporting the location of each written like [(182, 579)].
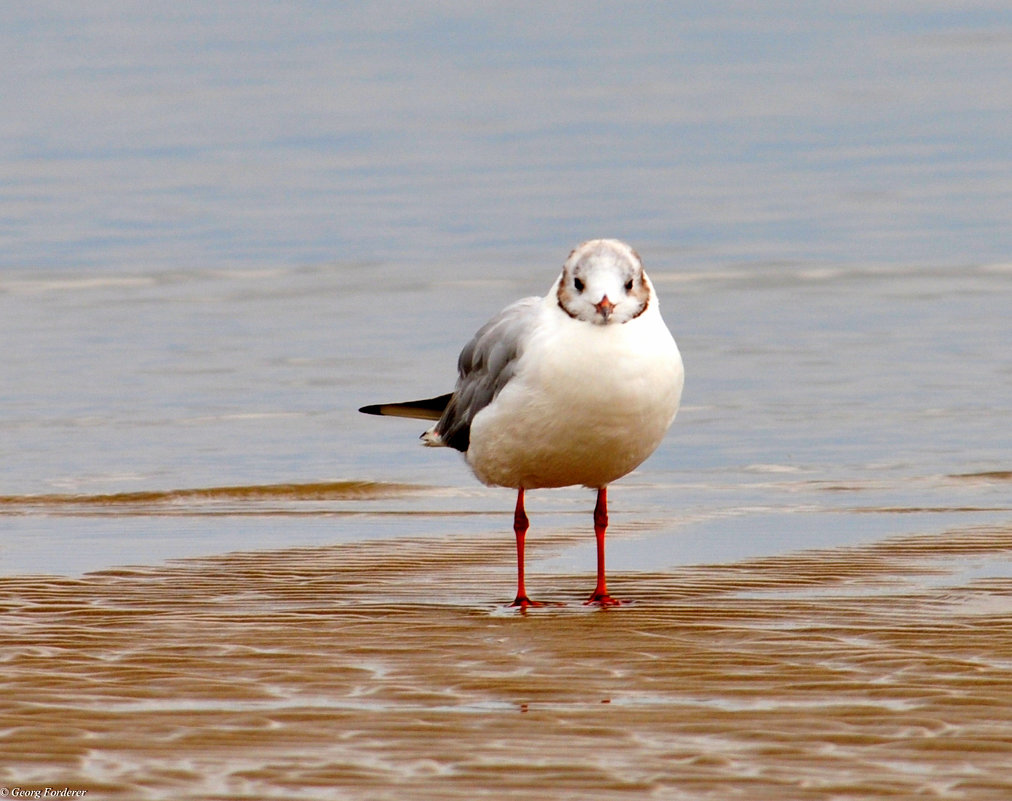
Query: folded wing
[(485, 366), (427, 409)]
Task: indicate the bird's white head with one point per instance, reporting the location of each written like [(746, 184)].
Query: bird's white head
[(603, 282)]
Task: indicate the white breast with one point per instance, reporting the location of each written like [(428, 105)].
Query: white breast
[(587, 405)]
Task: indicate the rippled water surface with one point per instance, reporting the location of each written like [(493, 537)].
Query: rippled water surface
[(226, 228), (382, 670)]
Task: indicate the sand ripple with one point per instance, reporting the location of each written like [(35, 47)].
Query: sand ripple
[(387, 670)]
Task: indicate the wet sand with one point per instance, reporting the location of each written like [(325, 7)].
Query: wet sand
[(227, 229), (389, 670)]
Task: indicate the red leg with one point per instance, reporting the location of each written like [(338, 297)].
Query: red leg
[(520, 526), (600, 595)]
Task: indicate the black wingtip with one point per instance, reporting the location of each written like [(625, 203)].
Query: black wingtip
[(427, 409)]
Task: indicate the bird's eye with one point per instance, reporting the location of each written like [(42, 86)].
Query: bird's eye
[(578, 284), (629, 285)]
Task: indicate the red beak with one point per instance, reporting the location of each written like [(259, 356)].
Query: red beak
[(605, 307)]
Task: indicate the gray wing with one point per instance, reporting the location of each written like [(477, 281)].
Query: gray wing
[(485, 366)]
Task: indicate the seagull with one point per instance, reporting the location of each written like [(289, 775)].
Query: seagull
[(576, 388)]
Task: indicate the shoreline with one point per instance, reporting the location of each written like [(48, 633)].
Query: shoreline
[(390, 668)]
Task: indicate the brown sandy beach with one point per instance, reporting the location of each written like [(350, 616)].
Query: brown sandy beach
[(228, 226), (387, 670)]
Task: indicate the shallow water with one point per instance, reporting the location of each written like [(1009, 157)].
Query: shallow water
[(823, 409), (381, 670), (225, 229)]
